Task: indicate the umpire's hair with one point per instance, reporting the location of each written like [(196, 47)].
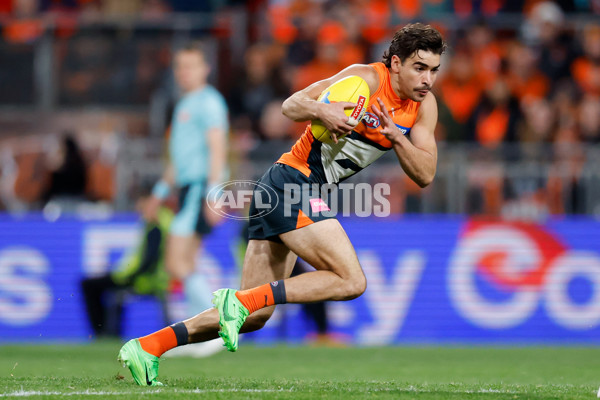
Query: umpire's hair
[(194, 46), (412, 38)]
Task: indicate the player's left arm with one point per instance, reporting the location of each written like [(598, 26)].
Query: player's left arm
[(417, 155)]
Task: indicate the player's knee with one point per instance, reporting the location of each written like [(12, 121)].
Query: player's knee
[(257, 320), (355, 287)]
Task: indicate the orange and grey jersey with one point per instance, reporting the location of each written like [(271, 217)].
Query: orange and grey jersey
[(328, 162)]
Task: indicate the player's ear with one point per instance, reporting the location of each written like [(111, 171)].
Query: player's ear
[(395, 63)]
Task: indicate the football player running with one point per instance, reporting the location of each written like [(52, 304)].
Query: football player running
[(402, 114)]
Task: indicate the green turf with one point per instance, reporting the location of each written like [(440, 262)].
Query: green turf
[(91, 372)]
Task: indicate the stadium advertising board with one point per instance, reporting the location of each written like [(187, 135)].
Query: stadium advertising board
[(431, 279)]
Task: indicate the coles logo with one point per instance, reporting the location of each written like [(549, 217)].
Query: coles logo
[(371, 120), (502, 273)]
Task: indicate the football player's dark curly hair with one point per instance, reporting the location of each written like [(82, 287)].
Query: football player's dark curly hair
[(412, 38)]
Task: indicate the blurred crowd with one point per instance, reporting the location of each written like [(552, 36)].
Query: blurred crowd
[(536, 82), (523, 73)]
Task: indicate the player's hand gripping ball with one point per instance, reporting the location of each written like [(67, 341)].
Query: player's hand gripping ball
[(352, 89)]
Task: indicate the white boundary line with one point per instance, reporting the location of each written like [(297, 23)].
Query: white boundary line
[(30, 393)]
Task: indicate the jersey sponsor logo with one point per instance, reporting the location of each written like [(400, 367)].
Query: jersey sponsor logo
[(358, 110), (318, 205), (371, 120)]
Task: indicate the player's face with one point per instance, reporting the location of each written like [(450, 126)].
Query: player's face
[(416, 76), (191, 70)]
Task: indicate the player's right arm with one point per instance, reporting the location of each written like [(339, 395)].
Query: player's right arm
[(303, 105)]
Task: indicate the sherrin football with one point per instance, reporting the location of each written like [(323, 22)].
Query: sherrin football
[(352, 89)]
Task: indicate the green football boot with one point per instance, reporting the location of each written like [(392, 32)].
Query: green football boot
[(143, 365), (232, 315)]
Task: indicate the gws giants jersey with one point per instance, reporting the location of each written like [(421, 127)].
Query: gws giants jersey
[(331, 162)]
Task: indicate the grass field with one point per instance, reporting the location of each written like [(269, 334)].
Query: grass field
[(91, 372)]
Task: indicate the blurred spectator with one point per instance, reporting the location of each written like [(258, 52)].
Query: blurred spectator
[(539, 123), (525, 193), (348, 15), (151, 62), (302, 41), (68, 171), (261, 82), (351, 51), (494, 120), (544, 20), (376, 18), (19, 34), (101, 182), (87, 67), (589, 119), (586, 69), (141, 271), (553, 44), (460, 89), (526, 82), (488, 8), (31, 180), (485, 51), (25, 26), (273, 124), (564, 104), (328, 59), (280, 25), (275, 130)]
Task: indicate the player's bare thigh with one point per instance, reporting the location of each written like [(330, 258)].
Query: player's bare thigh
[(181, 255), (325, 246)]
